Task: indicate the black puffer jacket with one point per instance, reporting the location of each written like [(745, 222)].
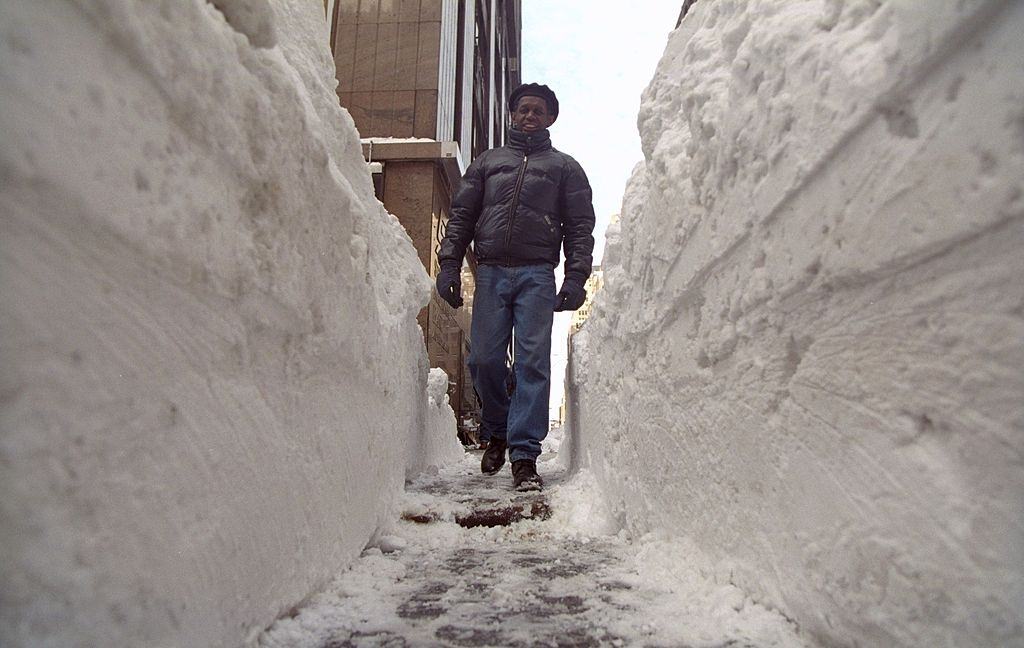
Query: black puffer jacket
[(518, 203)]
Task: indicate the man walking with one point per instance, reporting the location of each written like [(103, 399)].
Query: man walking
[(518, 204)]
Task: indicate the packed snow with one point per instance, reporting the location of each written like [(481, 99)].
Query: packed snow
[(571, 579), (214, 386), (439, 445), (806, 359)]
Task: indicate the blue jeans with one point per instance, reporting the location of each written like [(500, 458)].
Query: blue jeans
[(520, 299)]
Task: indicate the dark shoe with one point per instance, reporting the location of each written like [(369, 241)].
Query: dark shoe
[(494, 456), (482, 445), (525, 477)]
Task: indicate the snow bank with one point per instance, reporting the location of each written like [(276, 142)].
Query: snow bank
[(807, 355), (213, 381), (440, 444)]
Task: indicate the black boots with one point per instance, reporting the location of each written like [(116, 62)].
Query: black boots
[(494, 456), (524, 471), (525, 477)]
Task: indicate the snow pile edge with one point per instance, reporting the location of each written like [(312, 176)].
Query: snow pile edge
[(807, 353), (213, 380)]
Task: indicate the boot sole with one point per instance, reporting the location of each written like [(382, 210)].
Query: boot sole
[(529, 487), (493, 471)]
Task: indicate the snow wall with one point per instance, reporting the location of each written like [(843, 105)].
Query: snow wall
[(807, 354), (213, 381)]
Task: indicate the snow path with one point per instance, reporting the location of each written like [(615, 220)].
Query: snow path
[(548, 579)]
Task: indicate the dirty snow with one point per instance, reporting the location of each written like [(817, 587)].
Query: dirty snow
[(807, 355), (563, 575)]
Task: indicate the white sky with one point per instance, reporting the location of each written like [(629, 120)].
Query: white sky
[(598, 57)]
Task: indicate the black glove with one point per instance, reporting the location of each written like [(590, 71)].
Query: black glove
[(449, 282), (571, 296)]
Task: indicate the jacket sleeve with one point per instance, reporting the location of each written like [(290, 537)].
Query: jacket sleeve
[(577, 207), (465, 209)]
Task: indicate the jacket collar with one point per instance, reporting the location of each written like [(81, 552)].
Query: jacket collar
[(528, 143)]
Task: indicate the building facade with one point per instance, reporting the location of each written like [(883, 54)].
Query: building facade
[(435, 69), (427, 82), (594, 283)]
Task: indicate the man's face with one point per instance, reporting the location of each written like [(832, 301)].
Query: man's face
[(531, 114)]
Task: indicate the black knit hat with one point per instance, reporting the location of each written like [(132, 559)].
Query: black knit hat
[(534, 90)]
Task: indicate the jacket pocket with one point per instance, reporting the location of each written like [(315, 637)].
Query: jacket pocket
[(553, 227)]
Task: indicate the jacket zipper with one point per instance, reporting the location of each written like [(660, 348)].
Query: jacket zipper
[(515, 204)]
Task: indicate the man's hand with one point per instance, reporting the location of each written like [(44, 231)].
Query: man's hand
[(571, 296), (449, 283)]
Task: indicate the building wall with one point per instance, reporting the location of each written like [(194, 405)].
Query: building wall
[(387, 55), (495, 70), (437, 69), (417, 194), (444, 346), (410, 194)]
